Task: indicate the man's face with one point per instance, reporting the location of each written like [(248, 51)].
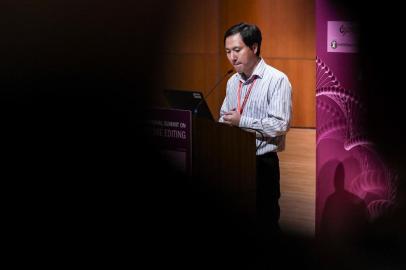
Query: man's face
[(240, 55)]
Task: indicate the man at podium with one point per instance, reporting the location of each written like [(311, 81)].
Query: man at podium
[(258, 98)]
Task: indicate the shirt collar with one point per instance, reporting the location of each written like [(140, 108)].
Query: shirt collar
[(257, 73)]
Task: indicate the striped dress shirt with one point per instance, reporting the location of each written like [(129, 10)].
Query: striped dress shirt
[(268, 109)]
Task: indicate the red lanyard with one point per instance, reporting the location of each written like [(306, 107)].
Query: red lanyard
[(239, 107)]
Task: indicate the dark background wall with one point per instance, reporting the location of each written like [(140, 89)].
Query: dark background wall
[(75, 78)]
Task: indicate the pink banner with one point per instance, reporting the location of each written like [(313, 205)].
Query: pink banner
[(354, 186)]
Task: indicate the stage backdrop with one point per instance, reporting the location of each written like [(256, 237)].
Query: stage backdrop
[(354, 186)]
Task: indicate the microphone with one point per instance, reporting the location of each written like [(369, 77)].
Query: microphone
[(211, 90)]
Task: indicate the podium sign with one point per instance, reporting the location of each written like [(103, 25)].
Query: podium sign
[(171, 132)]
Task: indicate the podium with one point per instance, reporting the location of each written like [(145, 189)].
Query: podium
[(223, 155), (218, 159)]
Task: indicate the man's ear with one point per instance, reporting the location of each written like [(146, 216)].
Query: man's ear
[(254, 48)]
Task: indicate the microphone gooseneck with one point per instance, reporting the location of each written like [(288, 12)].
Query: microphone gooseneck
[(211, 90)]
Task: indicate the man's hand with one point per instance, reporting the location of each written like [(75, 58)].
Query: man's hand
[(232, 118)]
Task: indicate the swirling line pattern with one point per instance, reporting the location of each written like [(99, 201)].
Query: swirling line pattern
[(340, 116), (324, 76)]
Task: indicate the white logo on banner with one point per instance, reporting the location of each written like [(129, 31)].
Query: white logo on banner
[(342, 36)]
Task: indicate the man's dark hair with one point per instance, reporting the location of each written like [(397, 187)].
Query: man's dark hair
[(250, 34)]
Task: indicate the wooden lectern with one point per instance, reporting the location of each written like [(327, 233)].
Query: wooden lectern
[(220, 159), (223, 155), (223, 162)]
